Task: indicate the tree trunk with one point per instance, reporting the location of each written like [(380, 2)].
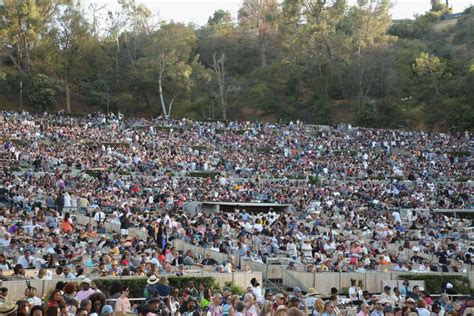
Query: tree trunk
[(162, 99), (219, 69), (68, 97), (263, 54)]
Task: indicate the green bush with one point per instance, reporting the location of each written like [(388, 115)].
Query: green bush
[(19, 142), (295, 177), (265, 150), (235, 288), (459, 153), (41, 92), (433, 282), (462, 179), (345, 291), (137, 285), (316, 180), (115, 145), (202, 174), (199, 147), (241, 131), (94, 173)]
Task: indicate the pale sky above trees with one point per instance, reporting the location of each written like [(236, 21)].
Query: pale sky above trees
[(198, 11)]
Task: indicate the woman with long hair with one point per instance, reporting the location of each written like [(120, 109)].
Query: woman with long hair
[(4, 265), (173, 301), (122, 305), (318, 308), (206, 299), (98, 301), (23, 308), (49, 261), (55, 298)]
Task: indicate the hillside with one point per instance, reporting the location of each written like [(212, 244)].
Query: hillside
[(342, 64)]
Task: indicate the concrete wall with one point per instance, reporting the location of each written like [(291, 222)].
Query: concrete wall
[(16, 289), (322, 282), (373, 281)]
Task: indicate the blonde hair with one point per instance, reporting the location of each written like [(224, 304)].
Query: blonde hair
[(281, 311), (319, 305)]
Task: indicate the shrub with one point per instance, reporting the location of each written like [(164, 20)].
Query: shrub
[(202, 174), (41, 92), (115, 145), (433, 282), (93, 173), (199, 147), (265, 150), (19, 142), (137, 285), (459, 153), (235, 288), (315, 180)]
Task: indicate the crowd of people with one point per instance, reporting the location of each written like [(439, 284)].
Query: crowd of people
[(140, 174)]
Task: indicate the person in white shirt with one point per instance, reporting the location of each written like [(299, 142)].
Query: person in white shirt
[(388, 296), (396, 217), (31, 297), (67, 200), (291, 249), (355, 293), (26, 261), (99, 216), (424, 267), (256, 290), (421, 308), (307, 249), (5, 241)]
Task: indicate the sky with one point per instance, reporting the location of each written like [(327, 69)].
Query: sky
[(198, 11)]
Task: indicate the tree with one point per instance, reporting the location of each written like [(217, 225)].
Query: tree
[(430, 67), (71, 34), (170, 62), (21, 26), (260, 18), (219, 69), (370, 20), (220, 17), (41, 92)]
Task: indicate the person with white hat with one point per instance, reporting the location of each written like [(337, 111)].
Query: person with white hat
[(151, 290), (8, 308), (311, 297), (85, 291)]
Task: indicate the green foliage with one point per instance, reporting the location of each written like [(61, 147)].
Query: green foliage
[(40, 92), (459, 153), (200, 147), (314, 180), (365, 112), (116, 145), (433, 282), (212, 175), (93, 173), (236, 290), (137, 285), (284, 61)]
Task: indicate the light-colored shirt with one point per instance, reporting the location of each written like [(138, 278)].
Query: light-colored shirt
[(123, 305), (82, 295), (34, 301), (25, 263)]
